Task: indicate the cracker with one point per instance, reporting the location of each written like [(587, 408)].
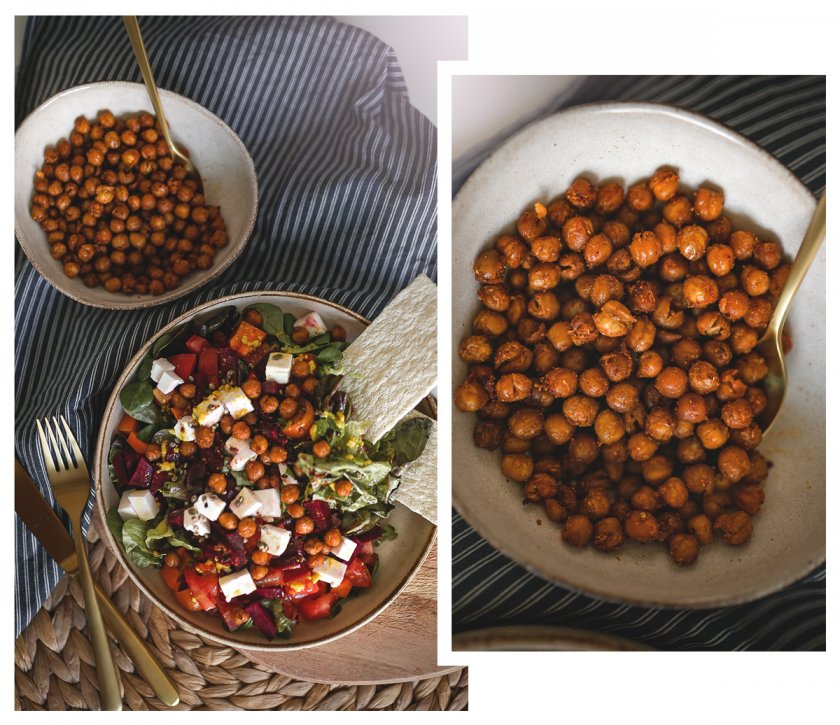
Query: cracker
[(418, 483), (392, 365)]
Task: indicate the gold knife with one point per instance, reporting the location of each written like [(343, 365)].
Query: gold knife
[(43, 522)]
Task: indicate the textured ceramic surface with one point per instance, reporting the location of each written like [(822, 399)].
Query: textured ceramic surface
[(627, 142), (399, 559), (226, 169)]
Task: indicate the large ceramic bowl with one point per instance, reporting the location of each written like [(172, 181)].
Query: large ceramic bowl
[(221, 158), (628, 142), (399, 559)]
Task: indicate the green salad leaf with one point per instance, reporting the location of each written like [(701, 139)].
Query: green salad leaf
[(163, 532), (282, 622), (134, 543)]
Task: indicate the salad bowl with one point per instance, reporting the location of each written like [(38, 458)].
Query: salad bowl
[(398, 559)]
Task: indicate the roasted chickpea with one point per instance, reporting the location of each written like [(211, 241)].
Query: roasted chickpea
[(580, 410), (204, 437), (608, 534), (577, 530), (645, 498), (546, 248), (677, 211), (673, 492), (609, 427), (558, 429), (672, 382), (517, 466), (645, 249), (664, 183), (699, 478), (609, 198), (700, 291), (304, 525), (734, 463), (708, 204), (641, 526), (510, 388), (241, 430), (489, 268), (488, 323), (582, 193), (736, 527), (713, 433), (471, 396), (754, 281), (526, 423), (684, 548), (576, 232), (641, 447), (475, 349), (742, 244), (720, 259), (532, 223), (692, 242), (228, 521)]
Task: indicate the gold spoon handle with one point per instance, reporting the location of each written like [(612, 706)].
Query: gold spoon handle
[(133, 29), (109, 686), (811, 244)]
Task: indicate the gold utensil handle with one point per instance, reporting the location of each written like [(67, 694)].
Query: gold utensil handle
[(139, 652), (109, 686), (811, 244), (133, 29)]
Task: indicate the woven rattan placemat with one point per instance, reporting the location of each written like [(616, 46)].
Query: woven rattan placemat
[(54, 664)]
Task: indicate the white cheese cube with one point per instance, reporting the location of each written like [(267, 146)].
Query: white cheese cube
[(145, 504), (236, 402), (209, 411), (274, 539), (168, 382), (159, 367), (196, 522), (241, 451), (270, 500), (330, 571), (245, 503), (312, 323), (210, 505), (345, 549), (279, 367), (185, 429), (126, 508), (236, 584), (287, 478)]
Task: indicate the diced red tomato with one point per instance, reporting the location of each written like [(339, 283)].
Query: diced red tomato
[(208, 366), (317, 607), (136, 444), (304, 586), (184, 364), (127, 425), (196, 344), (172, 576), (187, 600), (246, 338), (274, 578), (343, 589), (205, 587), (358, 573)]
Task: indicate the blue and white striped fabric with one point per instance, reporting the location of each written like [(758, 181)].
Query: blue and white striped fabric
[(347, 182), (785, 115)]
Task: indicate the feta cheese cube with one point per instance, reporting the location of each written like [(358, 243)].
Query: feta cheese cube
[(168, 382), (185, 429), (330, 571), (312, 323), (209, 411), (126, 508), (345, 549), (274, 539), (210, 505), (241, 451), (279, 367), (236, 584), (287, 478), (159, 367), (196, 522), (270, 500), (236, 402), (145, 504), (245, 503)]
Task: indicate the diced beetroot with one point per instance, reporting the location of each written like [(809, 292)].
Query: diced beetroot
[(228, 363), (258, 354), (212, 458), (370, 535), (176, 517), (269, 592), (274, 435), (196, 474), (142, 476), (319, 512), (120, 471), (228, 612), (263, 621), (269, 387), (158, 479)]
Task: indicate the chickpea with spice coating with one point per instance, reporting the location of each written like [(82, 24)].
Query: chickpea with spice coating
[(641, 526), (577, 530), (684, 548), (517, 466)]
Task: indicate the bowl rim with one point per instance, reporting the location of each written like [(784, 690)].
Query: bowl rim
[(99, 501), (459, 502), (133, 302)]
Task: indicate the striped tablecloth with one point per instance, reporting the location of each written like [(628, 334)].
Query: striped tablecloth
[(347, 185), (785, 115)]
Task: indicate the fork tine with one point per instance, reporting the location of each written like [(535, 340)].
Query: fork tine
[(45, 449), (77, 453), (60, 435), (60, 463)]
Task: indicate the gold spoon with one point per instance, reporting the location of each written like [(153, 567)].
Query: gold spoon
[(770, 345), (133, 29)]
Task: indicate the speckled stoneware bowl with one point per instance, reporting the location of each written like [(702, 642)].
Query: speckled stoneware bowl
[(627, 142), (226, 169), (399, 559)]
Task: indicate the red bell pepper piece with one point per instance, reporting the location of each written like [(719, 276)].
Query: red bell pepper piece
[(313, 608), (196, 344)]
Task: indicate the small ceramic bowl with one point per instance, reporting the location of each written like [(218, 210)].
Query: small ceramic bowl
[(398, 559), (226, 168), (627, 142)]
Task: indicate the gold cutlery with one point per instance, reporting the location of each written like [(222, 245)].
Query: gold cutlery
[(42, 521), (133, 29), (70, 484)]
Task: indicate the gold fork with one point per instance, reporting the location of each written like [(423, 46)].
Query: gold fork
[(70, 484)]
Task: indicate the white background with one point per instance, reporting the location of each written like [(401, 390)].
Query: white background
[(561, 38)]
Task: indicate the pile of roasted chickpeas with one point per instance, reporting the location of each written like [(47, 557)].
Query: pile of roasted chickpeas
[(118, 212), (612, 363)]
